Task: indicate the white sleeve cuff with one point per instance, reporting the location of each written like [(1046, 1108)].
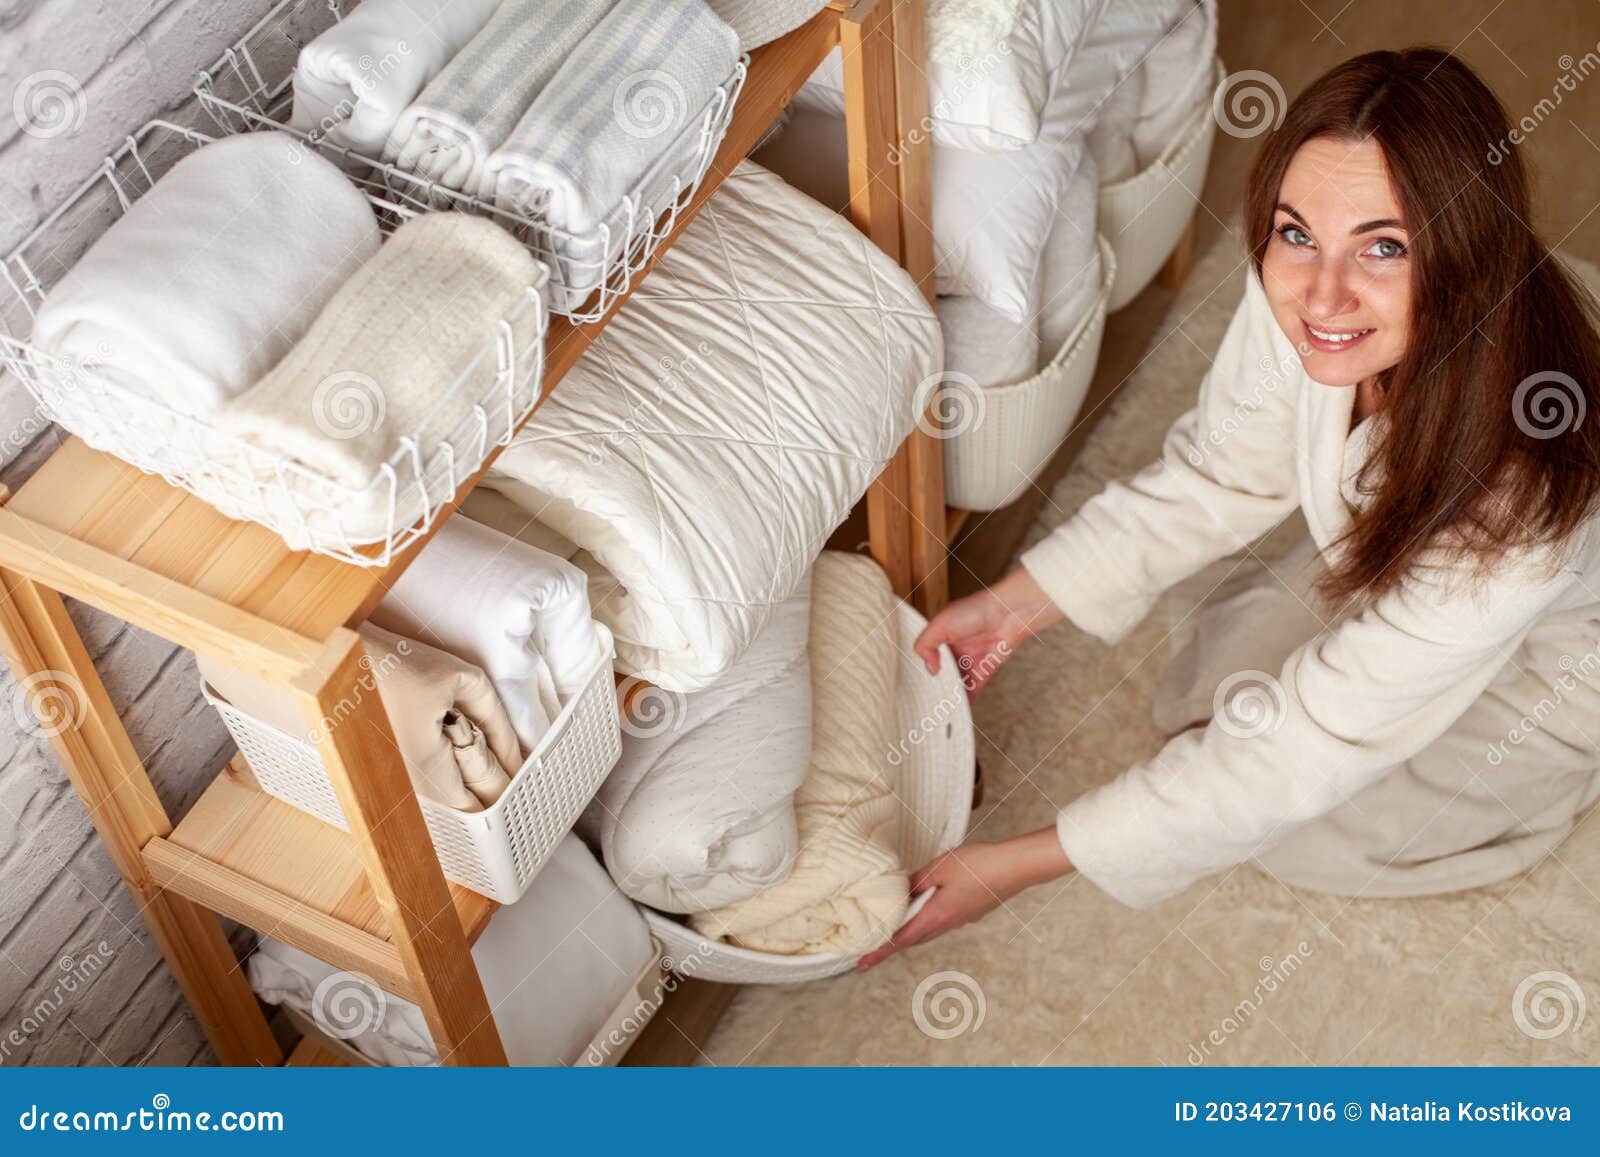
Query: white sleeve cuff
[(1087, 582)]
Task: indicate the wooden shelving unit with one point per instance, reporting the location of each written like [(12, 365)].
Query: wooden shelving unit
[(92, 527)]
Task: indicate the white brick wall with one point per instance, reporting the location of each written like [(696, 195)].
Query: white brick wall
[(80, 981)]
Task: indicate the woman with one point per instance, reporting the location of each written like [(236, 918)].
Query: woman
[(1412, 370)]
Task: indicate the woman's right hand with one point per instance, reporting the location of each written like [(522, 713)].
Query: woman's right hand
[(983, 630)]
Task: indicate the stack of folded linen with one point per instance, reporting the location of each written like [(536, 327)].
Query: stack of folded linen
[(553, 110), (473, 652), (1035, 104), (206, 281)]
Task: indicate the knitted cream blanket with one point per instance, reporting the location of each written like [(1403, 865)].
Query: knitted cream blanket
[(848, 891)]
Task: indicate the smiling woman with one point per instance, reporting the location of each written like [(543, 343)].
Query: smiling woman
[(1412, 369)]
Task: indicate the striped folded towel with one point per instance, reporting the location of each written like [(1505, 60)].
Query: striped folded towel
[(614, 110), (471, 106)]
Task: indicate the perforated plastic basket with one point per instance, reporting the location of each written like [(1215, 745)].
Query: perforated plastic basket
[(1145, 215), (499, 850)]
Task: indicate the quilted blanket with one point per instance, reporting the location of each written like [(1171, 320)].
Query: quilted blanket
[(724, 424)]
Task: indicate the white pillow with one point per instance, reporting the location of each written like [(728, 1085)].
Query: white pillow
[(991, 66)]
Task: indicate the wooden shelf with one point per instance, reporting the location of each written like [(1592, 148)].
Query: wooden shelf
[(272, 867), (96, 528)]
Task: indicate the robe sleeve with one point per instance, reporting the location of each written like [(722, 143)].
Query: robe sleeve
[(1226, 475), (1348, 706)]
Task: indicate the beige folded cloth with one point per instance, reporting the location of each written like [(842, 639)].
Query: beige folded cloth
[(452, 730), (848, 891)]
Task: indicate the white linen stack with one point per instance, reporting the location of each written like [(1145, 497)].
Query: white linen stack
[(472, 105), (353, 81), (519, 612), (603, 122), (210, 277)]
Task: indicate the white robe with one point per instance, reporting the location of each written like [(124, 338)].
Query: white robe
[(1442, 738)]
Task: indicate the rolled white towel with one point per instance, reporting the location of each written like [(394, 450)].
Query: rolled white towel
[(466, 111), (210, 278), (423, 312), (611, 112), (355, 79), (518, 612), (1177, 77)]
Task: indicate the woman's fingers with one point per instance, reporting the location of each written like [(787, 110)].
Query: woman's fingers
[(927, 644), (920, 927)]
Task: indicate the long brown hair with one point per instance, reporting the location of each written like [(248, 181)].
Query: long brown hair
[(1492, 437)]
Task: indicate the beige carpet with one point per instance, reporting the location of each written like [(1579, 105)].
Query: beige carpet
[(1238, 970)]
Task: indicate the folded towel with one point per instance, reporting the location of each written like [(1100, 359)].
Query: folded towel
[(518, 612), (355, 79), (210, 277), (452, 731), (447, 134), (848, 890), (423, 312), (612, 111), (699, 812)]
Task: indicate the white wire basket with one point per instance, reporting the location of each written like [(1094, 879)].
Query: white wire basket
[(251, 88), (499, 850), (364, 525)]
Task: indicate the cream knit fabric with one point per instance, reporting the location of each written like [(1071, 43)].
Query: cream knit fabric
[(377, 364), (848, 890)]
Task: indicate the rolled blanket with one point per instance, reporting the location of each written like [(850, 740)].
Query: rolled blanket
[(355, 79), (729, 418), (447, 134), (699, 812), (848, 891), (421, 314), (612, 111), (455, 737), (516, 611), (210, 277)]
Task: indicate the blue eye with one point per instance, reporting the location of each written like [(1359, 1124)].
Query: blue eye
[(1388, 248), (1294, 235)]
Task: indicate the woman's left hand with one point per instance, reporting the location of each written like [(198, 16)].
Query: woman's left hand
[(972, 881)]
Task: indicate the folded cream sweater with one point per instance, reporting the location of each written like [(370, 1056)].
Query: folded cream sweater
[(848, 891)]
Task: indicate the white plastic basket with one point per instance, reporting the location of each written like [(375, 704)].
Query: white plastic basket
[(363, 525), (933, 785), (499, 850), (1145, 215), (251, 87), (1019, 426)]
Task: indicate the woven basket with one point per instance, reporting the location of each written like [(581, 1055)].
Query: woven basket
[(1145, 215), (1021, 424), (934, 787)]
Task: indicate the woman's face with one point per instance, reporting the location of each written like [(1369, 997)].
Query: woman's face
[(1337, 270)]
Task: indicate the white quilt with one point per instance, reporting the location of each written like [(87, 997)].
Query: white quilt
[(725, 423)]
